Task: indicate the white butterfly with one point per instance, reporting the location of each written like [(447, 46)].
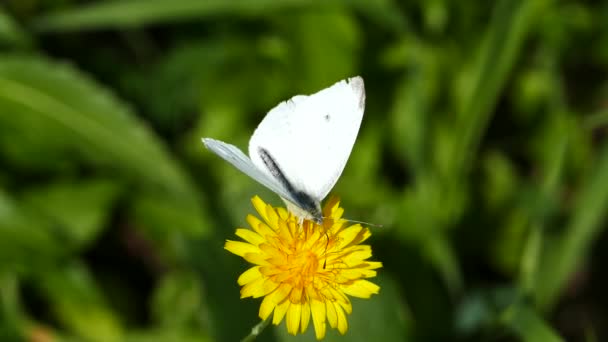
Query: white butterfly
[(301, 147)]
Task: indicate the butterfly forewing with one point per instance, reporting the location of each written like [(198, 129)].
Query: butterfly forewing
[(311, 137)]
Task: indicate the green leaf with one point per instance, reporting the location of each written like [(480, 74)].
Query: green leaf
[(116, 14), (51, 107), (442, 256), (52, 222), (160, 217), (11, 311), (563, 254), (501, 181), (487, 310), (177, 301), (410, 114), (553, 164), (57, 98), (526, 323), (11, 35), (429, 207), (79, 208), (481, 309), (26, 241), (132, 13), (323, 47), (78, 303), (166, 335), (509, 27)]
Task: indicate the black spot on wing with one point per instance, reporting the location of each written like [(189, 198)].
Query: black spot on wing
[(358, 87)]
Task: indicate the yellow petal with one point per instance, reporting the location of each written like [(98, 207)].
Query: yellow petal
[(293, 318), (283, 277), (337, 213), (305, 317), (268, 271), (348, 307), (283, 214), (355, 255), (260, 206), (279, 312), (285, 233), (267, 287), (347, 235), (318, 311), (327, 293), (338, 227), (332, 317), (268, 249), (294, 228), (330, 206), (259, 226), (361, 288), (361, 235), (250, 236), (281, 292), (372, 265), (266, 307), (348, 275), (296, 295), (369, 273), (315, 239), (253, 289), (256, 258), (342, 322), (272, 218), (274, 295), (312, 293), (240, 248), (339, 296), (250, 275)]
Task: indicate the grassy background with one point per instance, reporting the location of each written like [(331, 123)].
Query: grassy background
[(482, 152)]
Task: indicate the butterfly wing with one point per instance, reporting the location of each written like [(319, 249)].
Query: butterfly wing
[(311, 137), (238, 159)]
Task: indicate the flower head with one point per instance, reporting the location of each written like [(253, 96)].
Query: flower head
[(303, 269)]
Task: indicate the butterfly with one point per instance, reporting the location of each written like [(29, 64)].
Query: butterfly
[(301, 147)]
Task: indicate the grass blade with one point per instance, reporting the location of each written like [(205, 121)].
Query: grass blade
[(564, 254), (526, 323), (509, 28), (135, 13)]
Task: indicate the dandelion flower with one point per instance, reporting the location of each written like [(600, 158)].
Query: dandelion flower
[(303, 269)]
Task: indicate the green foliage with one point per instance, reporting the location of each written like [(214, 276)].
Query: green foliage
[(482, 154)]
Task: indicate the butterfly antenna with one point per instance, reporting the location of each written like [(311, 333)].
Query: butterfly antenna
[(366, 223), (355, 221)]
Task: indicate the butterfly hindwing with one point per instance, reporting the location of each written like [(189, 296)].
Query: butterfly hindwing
[(238, 159)]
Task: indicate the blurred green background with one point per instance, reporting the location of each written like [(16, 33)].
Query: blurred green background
[(483, 153)]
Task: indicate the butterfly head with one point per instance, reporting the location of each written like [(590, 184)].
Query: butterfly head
[(306, 209)]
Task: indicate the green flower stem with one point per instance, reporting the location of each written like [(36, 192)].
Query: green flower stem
[(255, 331)]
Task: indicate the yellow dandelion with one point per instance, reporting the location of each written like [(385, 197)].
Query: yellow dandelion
[(303, 269)]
